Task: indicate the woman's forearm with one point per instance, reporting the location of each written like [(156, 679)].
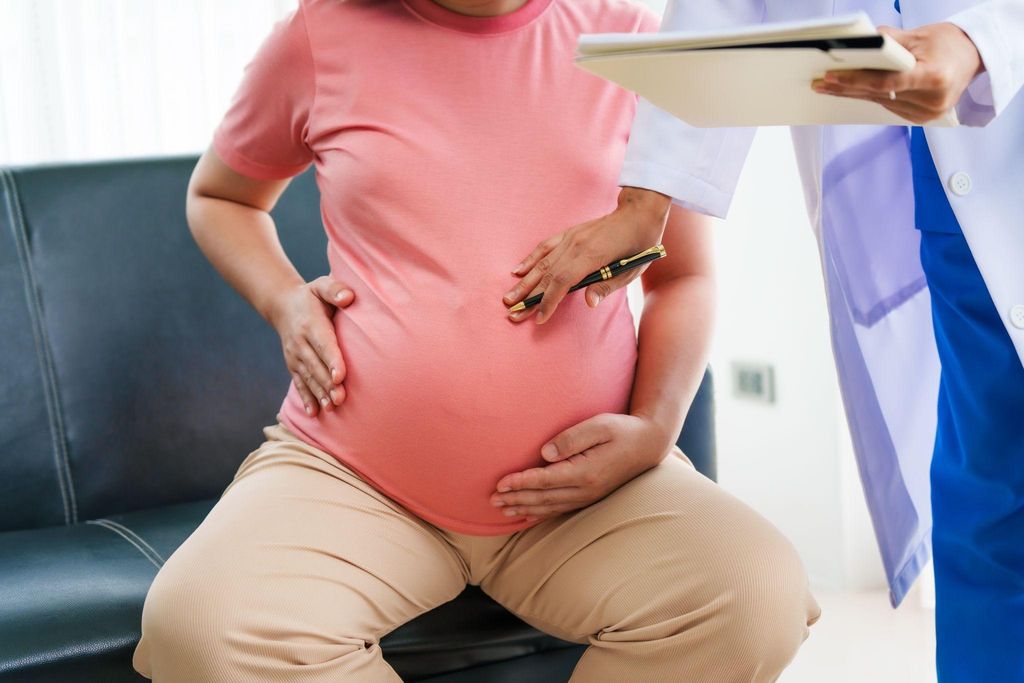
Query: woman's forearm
[(242, 244), (673, 345)]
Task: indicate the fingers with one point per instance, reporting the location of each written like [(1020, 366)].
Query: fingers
[(877, 80), (552, 276), (332, 292), (308, 399), (899, 35), (925, 99), (320, 381), (873, 80), (576, 439), (297, 355), (915, 106), (539, 503), (543, 272), (527, 284), (542, 504), (324, 342), (557, 475), (908, 110), (555, 285), (539, 280), (537, 254), (330, 371), (314, 385)]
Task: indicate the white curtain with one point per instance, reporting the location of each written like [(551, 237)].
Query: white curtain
[(94, 79)]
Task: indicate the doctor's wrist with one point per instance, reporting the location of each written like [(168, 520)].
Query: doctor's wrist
[(646, 205), (639, 219)]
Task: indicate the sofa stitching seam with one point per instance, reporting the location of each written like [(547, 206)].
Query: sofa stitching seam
[(109, 527), (42, 344), (136, 536)]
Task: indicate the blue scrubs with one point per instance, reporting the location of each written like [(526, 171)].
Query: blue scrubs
[(977, 472)]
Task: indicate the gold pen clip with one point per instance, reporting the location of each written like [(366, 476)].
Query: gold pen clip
[(656, 249)]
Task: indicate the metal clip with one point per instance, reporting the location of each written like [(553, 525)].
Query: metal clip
[(657, 248)]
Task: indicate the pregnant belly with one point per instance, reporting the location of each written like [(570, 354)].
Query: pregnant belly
[(437, 411)]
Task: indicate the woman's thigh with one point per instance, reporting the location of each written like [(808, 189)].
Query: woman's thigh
[(298, 563), (668, 562)]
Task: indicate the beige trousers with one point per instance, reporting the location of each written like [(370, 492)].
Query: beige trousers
[(301, 567)]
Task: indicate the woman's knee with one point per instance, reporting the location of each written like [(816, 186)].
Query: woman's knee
[(181, 619), (200, 622), (766, 606)]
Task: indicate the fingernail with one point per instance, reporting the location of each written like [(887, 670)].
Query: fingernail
[(519, 267), (334, 374), (510, 294), (516, 315), (497, 503), (334, 396), (832, 77), (532, 519), (309, 409), (504, 489), (541, 317), (340, 295), (510, 513), (324, 402), (549, 451), (597, 299)]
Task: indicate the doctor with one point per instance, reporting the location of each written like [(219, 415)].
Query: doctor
[(900, 300)]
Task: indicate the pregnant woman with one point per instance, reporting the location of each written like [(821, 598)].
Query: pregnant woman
[(429, 440)]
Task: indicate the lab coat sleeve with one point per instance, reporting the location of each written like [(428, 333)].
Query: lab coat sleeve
[(996, 27), (697, 167)]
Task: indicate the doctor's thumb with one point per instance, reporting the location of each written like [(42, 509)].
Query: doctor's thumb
[(596, 292)]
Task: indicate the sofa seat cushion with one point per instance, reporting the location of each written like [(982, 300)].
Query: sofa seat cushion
[(71, 603), (71, 596)]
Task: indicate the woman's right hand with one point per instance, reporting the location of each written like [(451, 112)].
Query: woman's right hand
[(303, 317)]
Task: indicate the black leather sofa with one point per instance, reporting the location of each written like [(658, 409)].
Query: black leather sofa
[(133, 381)]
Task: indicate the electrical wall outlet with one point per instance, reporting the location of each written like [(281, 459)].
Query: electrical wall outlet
[(753, 381)]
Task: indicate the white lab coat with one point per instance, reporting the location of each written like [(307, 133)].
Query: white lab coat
[(858, 190)]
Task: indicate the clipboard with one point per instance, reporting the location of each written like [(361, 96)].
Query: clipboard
[(752, 76)]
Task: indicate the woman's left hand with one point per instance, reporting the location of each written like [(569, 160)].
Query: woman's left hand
[(588, 461)]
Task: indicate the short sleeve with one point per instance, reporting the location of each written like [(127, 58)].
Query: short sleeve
[(263, 135)]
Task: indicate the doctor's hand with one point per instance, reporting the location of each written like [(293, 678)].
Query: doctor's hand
[(559, 262), (588, 461), (303, 317), (947, 62)]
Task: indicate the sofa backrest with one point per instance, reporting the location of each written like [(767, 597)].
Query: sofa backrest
[(131, 374)]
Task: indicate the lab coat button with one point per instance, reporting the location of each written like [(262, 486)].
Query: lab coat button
[(1017, 316), (960, 183)]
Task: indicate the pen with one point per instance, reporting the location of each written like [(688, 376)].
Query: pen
[(606, 273)]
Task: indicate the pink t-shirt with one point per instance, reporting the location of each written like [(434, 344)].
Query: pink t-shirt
[(446, 147)]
